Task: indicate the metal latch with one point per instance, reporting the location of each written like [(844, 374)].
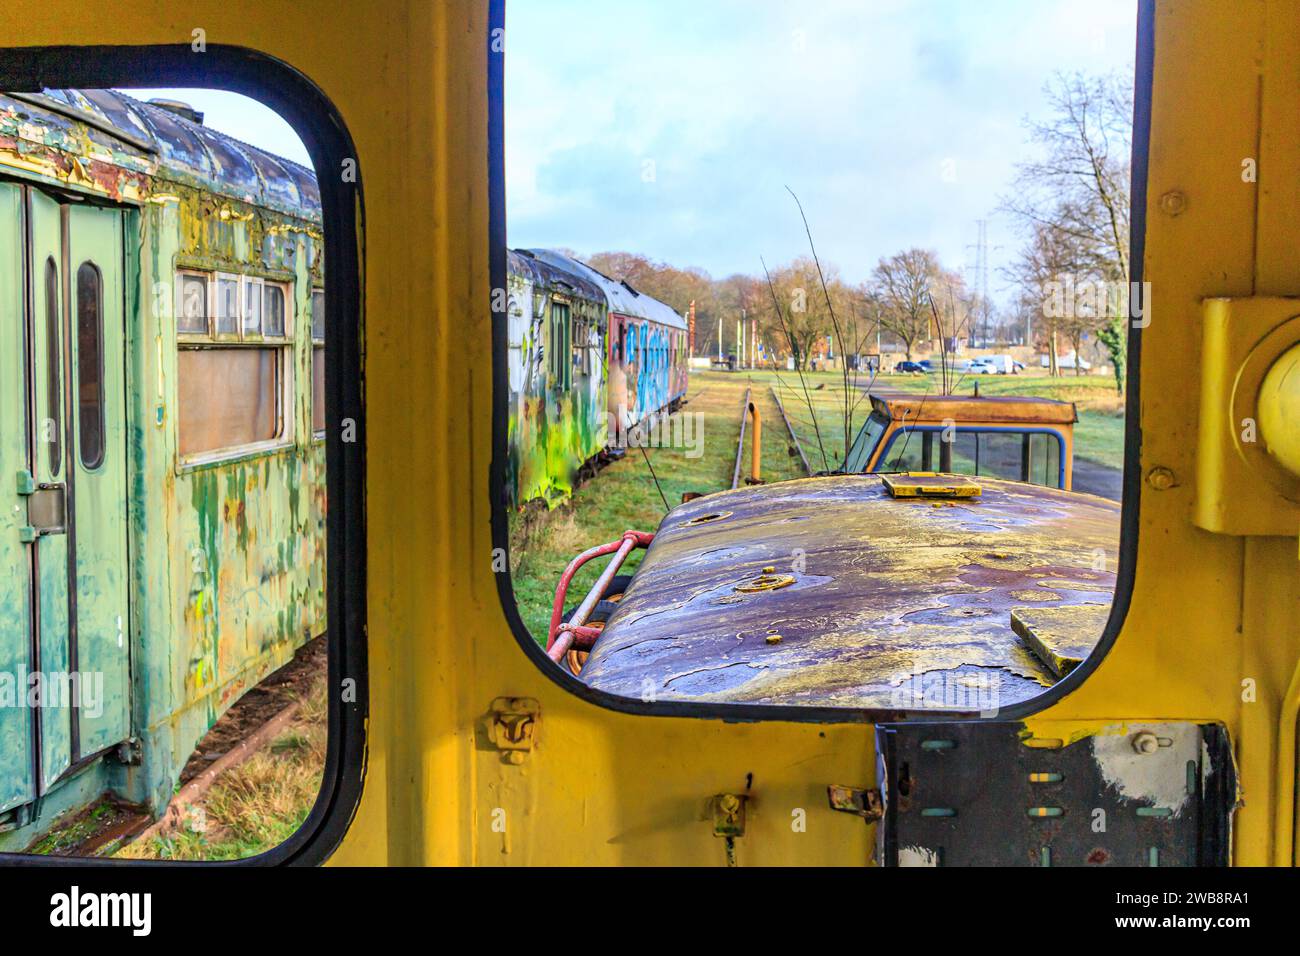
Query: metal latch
[(47, 507), (512, 726), (865, 803)]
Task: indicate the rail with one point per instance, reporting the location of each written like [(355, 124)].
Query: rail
[(807, 468), (740, 443)]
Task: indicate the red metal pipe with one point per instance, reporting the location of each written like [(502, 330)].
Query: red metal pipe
[(620, 549)]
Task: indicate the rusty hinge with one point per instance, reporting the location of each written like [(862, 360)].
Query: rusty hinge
[(865, 803), (129, 752), (512, 726)]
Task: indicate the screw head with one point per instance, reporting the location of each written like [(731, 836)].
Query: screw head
[(1161, 478), (1173, 203), (1146, 742)]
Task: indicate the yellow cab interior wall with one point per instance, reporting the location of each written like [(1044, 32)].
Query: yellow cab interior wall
[(610, 788)]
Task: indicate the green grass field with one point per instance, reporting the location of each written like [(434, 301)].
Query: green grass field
[(623, 495)]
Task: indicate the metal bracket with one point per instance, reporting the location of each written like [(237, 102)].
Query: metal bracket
[(729, 815), (865, 803), (129, 752), (512, 726)]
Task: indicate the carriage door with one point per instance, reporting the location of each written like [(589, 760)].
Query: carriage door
[(77, 504)]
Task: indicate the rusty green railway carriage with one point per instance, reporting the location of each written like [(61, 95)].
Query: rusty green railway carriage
[(162, 493)]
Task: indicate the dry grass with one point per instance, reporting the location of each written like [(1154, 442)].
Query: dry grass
[(260, 803)]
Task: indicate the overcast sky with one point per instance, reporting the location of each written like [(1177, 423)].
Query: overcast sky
[(671, 127)]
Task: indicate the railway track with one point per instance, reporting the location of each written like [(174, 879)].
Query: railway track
[(807, 468), (740, 442)]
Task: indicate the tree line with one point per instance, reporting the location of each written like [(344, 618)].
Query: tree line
[(1070, 276)]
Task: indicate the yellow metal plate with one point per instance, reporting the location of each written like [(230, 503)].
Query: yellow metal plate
[(928, 484)]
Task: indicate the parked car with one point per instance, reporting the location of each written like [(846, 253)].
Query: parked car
[(911, 367)]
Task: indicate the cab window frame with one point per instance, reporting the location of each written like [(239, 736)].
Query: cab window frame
[(1129, 517), (325, 133)]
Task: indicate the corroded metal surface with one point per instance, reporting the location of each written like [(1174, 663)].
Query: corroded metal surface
[(898, 604), (914, 407), (1061, 636)]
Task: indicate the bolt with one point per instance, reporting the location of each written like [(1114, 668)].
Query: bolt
[(1146, 742), (1161, 478), (1173, 203)]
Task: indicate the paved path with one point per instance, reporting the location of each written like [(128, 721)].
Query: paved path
[(1098, 479)]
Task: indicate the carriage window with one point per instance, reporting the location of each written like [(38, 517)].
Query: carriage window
[(53, 362), (231, 385), (227, 305), (318, 361), (910, 450), (90, 365), (192, 316), (252, 306), (273, 311), (560, 344), (229, 397)]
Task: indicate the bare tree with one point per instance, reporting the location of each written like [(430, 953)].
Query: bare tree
[(805, 321), (901, 284), (1077, 196)]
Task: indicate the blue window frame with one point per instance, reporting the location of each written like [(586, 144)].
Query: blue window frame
[(990, 458)]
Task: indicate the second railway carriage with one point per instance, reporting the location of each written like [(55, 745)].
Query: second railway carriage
[(646, 350), (162, 512), (590, 358), (557, 423)]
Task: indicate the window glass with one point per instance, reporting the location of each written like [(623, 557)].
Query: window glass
[(252, 306), (227, 305), (910, 450), (865, 444), (318, 360), (318, 315), (192, 317), (90, 365), (228, 397), (318, 388), (52, 433), (1045, 459), (559, 364), (273, 310)]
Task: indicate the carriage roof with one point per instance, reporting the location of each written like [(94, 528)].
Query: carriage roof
[(550, 275), (623, 299), (102, 141)]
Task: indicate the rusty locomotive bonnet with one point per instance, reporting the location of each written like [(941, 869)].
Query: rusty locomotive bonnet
[(831, 591)]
